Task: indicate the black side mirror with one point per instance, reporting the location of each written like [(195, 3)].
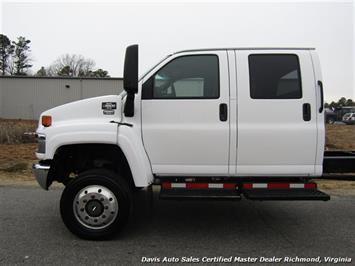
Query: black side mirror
[(130, 78)]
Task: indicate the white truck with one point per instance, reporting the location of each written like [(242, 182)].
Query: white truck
[(210, 123)]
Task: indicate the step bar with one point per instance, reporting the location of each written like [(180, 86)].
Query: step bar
[(286, 194), (213, 194), (234, 191), (283, 191), (339, 162), (189, 190)]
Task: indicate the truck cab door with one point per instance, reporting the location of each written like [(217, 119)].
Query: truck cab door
[(185, 121), (277, 113)]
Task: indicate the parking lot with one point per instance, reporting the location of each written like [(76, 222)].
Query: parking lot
[(32, 231)]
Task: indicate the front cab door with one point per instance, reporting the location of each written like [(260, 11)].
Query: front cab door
[(185, 121)]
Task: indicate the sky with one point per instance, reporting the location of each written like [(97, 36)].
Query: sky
[(101, 31)]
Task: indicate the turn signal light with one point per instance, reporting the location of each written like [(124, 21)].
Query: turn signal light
[(46, 120)]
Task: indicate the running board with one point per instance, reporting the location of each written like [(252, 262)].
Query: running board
[(215, 191), (214, 194), (285, 194), (233, 191)]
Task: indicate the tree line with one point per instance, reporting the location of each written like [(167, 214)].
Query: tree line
[(16, 60), (340, 103)]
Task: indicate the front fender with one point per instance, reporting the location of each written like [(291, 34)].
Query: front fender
[(132, 147), (78, 133), (102, 133)]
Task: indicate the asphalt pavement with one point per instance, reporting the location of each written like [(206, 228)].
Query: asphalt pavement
[(32, 232)]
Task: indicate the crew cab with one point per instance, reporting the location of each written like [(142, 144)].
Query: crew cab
[(210, 123)]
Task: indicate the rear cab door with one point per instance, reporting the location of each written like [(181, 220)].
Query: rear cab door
[(278, 115)]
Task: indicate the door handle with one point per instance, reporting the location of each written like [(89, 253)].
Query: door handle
[(223, 112), (320, 83), (306, 112)]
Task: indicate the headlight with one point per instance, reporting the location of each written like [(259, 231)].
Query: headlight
[(41, 140)]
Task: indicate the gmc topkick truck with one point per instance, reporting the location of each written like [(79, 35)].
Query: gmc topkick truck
[(211, 123)]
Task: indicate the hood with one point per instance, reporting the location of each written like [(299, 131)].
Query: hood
[(106, 108)]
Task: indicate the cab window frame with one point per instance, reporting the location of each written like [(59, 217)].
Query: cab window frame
[(148, 85), (276, 54)]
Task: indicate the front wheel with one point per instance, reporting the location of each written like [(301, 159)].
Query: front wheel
[(96, 204)]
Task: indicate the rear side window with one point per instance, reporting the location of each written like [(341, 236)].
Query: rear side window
[(185, 77), (275, 76)]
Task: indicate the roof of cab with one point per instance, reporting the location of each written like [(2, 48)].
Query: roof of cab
[(244, 48)]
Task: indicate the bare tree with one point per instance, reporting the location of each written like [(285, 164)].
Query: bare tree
[(11, 68), (72, 66)]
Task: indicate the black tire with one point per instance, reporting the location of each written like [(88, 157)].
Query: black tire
[(91, 178)]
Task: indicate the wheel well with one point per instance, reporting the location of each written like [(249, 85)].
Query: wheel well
[(71, 160)]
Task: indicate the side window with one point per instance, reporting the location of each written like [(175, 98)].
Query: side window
[(274, 76), (185, 77)]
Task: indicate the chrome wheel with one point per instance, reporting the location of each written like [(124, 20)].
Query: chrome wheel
[(95, 207)]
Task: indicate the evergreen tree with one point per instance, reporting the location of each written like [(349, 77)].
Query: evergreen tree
[(42, 72), (21, 58), (6, 50)]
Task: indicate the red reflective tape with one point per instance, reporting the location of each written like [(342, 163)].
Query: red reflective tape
[(278, 185), (248, 185), (229, 186), (310, 185), (166, 185), (196, 185)]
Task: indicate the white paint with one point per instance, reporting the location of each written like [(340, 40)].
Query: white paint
[(178, 185), (215, 185), (273, 138), (259, 185), (318, 167), (83, 122), (296, 185), (186, 136)]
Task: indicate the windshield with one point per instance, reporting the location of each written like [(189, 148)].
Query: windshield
[(122, 94), (150, 69)]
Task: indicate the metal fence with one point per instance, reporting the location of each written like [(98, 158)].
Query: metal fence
[(28, 97)]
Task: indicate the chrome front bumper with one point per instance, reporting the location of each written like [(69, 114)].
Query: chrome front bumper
[(41, 174)]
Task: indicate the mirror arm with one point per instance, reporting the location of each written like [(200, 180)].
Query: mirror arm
[(129, 105)]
